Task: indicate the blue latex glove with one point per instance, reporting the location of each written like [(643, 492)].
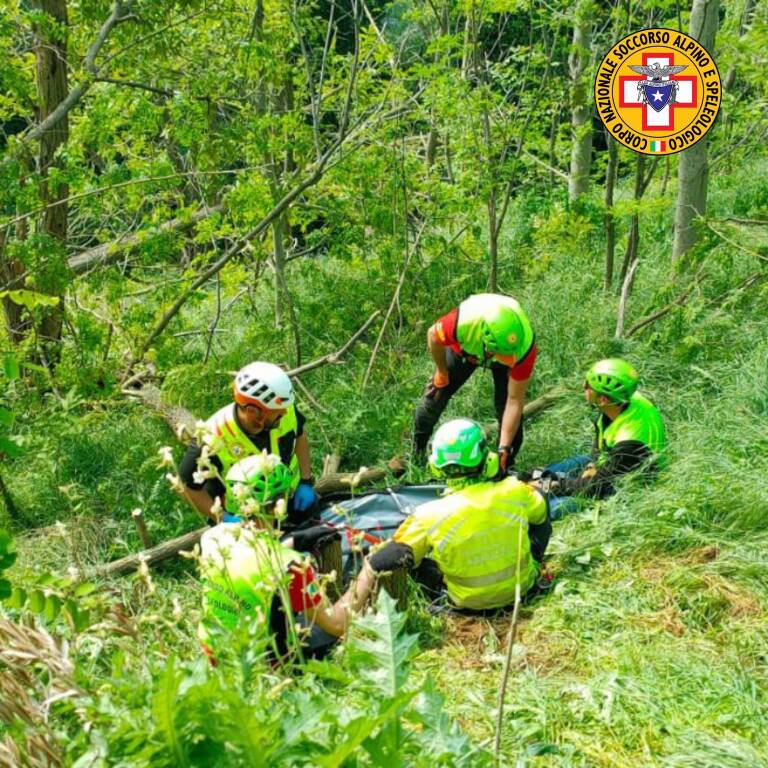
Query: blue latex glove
[(227, 518), (304, 497)]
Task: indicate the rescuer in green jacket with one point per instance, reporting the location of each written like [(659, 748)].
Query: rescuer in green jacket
[(486, 537), (249, 573), (629, 435), (487, 330)]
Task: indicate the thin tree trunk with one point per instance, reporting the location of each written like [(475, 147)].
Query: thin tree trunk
[(665, 179), (634, 224), (11, 270), (51, 57), (693, 168), (581, 105), (493, 242), (278, 262), (610, 222)]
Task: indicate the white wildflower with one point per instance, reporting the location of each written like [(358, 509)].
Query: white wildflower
[(144, 575), (250, 508), (201, 475), (202, 431), (166, 456), (175, 482), (281, 509)]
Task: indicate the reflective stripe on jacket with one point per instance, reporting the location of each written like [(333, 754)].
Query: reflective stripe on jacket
[(476, 536), (229, 443), (241, 569)]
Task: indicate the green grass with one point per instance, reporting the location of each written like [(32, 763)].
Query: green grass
[(651, 649)]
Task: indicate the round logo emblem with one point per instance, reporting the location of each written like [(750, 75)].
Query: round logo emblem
[(236, 449), (657, 91)]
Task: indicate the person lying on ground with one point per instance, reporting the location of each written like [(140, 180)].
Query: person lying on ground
[(249, 573), (486, 330), (485, 536), (629, 435), (262, 417)]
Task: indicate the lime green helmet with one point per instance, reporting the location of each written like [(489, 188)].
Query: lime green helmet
[(459, 447), (502, 332), (262, 478), (614, 378)]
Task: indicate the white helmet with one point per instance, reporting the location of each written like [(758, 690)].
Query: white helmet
[(265, 385)]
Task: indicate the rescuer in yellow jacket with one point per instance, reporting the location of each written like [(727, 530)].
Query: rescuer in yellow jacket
[(262, 418), (485, 536)]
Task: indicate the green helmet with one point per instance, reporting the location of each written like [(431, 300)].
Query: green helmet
[(502, 332), (261, 477), (459, 447), (614, 378)]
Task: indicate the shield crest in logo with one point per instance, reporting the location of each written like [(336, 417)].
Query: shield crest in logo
[(659, 94)]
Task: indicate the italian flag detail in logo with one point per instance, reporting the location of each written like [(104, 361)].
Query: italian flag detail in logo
[(658, 146)]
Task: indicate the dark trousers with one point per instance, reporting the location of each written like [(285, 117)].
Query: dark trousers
[(431, 407)]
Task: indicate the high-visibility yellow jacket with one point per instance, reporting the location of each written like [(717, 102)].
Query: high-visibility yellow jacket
[(229, 443), (479, 538), (242, 570)]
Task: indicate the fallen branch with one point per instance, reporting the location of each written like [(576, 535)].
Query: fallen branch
[(666, 309), (735, 220), (108, 253), (753, 279), (333, 357), (154, 555)]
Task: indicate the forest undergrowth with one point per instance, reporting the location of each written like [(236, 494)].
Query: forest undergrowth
[(650, 650)]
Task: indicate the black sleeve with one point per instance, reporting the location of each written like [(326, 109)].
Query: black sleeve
[(392, 556), (300, 420), (622, 458), (539, 536), (188, 467)]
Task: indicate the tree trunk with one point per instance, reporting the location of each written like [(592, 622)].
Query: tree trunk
[(634, 225), (278, 261), (11, 270), (493, 242), (51, 57), (692, 174), (581, 103), (610, 222)]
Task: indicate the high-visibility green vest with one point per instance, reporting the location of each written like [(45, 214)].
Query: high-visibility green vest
[(229, 443), (241, 570), (496, 312), (477, 535), (640, 422)]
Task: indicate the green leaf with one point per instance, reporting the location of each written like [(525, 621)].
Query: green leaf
[(5, 589), (7, 552), (52, 607), (164, 710), (36, 601), (378, 650), (542, 748), (6, 417), (81, 617), (30, 299), (9, 446), (17, 599), (85, 589), (11, 366)]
